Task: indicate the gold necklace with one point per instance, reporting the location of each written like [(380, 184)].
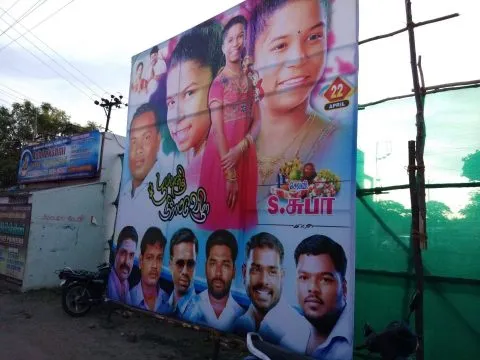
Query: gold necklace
[(236, 79), (268, 164)]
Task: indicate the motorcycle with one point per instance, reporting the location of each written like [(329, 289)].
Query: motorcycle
[(81, 289), (396, 342)]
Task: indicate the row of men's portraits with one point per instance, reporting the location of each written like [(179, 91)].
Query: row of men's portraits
[(294, 296), (236, 204)]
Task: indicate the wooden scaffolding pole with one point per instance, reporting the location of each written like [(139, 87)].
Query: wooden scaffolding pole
[(417, 183)]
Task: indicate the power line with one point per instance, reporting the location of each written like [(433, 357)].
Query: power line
[(36, 25), (44, 63), (60, 56), (5, 101), (13, 96), (10, 7), (56, 62), (25, 14), (19, 93)]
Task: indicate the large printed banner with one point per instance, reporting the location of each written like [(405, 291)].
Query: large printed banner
[(73, 157), (14, 231), (236, 209)]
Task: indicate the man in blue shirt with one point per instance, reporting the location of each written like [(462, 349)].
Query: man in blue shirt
[(215, 306), (321, 294), (147, 294), (183, 258), (118, 285)]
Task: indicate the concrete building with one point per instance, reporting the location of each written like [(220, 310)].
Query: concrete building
[(50, 225)]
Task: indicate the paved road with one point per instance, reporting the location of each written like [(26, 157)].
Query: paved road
[(34, 327)]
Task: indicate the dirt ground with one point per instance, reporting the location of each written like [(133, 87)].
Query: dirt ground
[(33, 326)]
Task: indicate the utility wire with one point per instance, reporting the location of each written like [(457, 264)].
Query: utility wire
[(62, 57), (36, 25), (56, 62), (13, 96), (10, 7), (19, 93), (25, 14), (59, 74)]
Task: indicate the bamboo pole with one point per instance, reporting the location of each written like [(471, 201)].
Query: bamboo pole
[(428, 90), (415, 246), (399, 31)]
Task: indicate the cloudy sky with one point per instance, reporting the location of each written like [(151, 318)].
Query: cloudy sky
[(99, 37)]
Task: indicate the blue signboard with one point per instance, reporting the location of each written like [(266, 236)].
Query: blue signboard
[(72, 157)]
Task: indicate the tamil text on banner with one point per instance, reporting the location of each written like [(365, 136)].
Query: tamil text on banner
[(72, 157), (14, 231), (236, 209)]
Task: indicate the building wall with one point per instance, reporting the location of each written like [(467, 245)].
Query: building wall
[(71, 225), (67, 229)]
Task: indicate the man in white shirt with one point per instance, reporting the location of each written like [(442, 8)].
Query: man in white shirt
[(183, 258), (118, 286), (215, 307), (263, 276), (147, 294), (321, 292), (135, 206)]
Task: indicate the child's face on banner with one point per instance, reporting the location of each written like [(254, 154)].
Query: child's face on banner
[(234, 43), (187, 102), (290, 53)]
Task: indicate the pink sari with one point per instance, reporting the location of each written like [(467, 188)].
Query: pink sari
[(237, 118)]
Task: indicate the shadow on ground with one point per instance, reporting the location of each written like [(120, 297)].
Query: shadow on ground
[(34, 326)]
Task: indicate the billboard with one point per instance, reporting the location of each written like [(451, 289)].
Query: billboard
[(14, 231), (65, 158), (236, 209)]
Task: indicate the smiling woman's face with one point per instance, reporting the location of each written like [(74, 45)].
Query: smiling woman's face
[(290, 53), (187, 102)]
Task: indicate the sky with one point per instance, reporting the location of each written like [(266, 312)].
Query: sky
[(100, 37)]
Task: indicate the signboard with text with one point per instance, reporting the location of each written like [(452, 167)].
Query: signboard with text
[(66, 158), (237, 200), (14, 231)]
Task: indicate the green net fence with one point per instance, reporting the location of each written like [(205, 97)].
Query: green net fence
[(384, 276)]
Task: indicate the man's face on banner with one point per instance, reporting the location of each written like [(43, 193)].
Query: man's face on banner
[(290, 53), (187, 102), (124, 259), (263, 276), (182, 266), (320, 288), (143, 147), (220, 271), (151, 263)]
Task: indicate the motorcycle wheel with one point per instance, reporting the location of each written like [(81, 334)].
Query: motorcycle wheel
[(75, 300)]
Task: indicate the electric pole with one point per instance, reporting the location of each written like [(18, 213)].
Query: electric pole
[(108, 105)]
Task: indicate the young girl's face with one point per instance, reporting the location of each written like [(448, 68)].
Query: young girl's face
[(187, 102), (233, 43), (290, 53)]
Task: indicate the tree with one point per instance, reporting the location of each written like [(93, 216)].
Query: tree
[(438, 211), (471, 166), (26, 123)]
